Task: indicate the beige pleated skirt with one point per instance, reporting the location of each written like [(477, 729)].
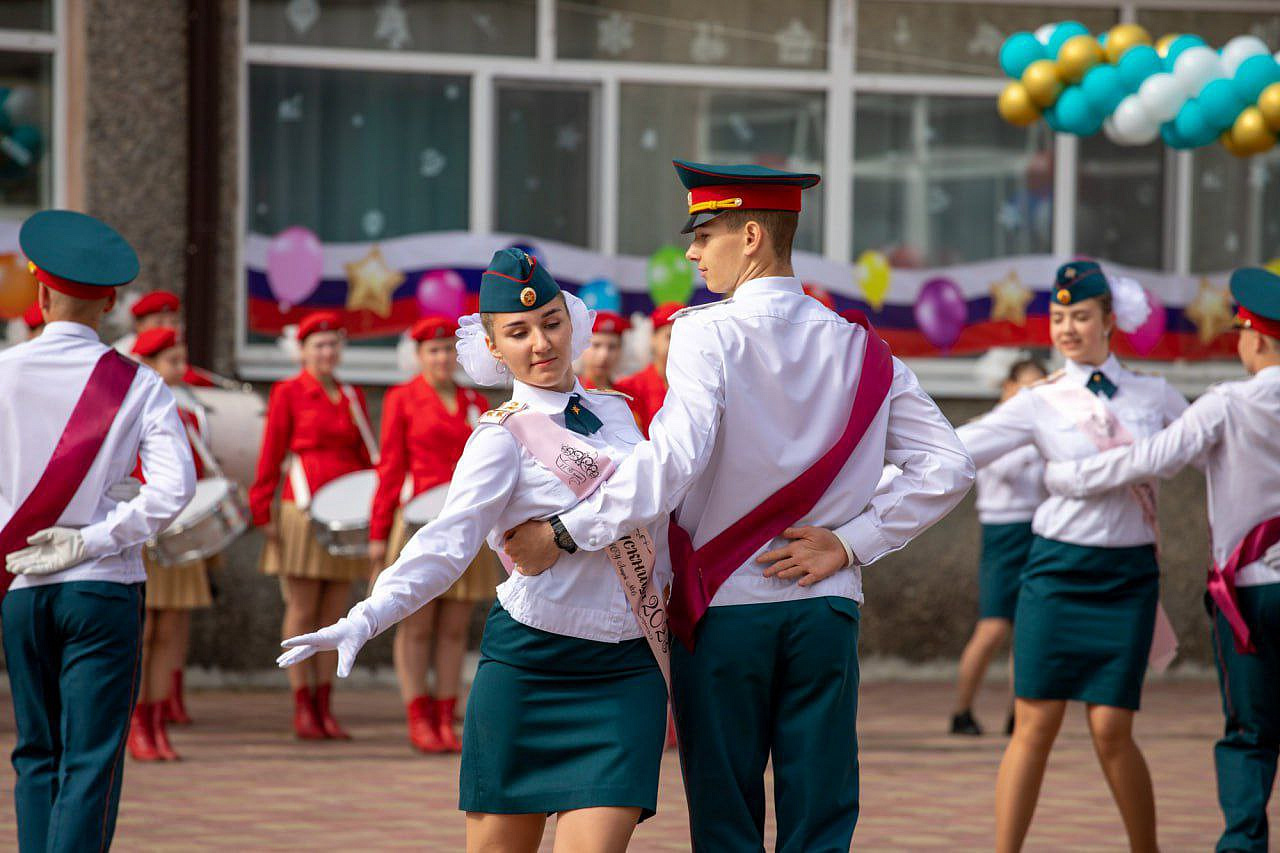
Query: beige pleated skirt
[(298, 554), (477, 583), (181, 587)]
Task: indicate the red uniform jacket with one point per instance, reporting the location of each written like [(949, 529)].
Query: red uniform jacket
[(637, 408), (304, 420), (648, 391), (192, 423), (422, 439)]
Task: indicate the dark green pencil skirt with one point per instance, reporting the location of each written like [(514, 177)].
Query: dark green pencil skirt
[(1004, 555)]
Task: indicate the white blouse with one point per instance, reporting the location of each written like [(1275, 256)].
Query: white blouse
[(1011, 489)]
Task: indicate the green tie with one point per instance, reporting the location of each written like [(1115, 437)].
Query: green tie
[(579, 418), (1099, 384)]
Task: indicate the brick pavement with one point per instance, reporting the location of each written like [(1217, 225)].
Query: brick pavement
[(247, 785)]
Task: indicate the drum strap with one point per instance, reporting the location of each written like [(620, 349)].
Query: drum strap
[(298, 480), (362, 422), (198, 444)]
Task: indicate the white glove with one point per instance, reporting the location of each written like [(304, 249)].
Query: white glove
[(1060, 478), (125, 490), (52, 550), (348, 635)]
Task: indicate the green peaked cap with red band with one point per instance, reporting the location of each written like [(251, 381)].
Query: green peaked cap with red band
[(1257, 293), (714, 190)]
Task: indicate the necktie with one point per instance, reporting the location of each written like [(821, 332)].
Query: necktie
[(580, 419), (1099, 384)]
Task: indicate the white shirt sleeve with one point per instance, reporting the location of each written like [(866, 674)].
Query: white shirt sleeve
[(936, 474), (1005, 428), (650, 482), (170, 476), (439, 553)]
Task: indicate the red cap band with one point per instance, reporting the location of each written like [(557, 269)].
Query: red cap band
[(320, 321), (69, 287), (722, 197), (1265, 325)]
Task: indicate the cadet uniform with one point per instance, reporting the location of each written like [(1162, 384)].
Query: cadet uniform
[(648, 389), (166, 307), (1234, 430), (76, 417), (1009, 491)]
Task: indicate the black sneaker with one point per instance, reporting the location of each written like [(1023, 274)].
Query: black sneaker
[(964, 724)]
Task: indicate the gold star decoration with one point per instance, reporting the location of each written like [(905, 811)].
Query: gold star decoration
[(1210, 311), (370, 283), (1009, 299)]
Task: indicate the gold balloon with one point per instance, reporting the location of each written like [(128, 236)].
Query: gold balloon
[(1016, 106), (1077, 55), (1269, 105), (1122, 37), (1042, 82), (1250, 132), (1230, 145), (1162, 44)]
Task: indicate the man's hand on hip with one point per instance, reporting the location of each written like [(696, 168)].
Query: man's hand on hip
[(814, 554)]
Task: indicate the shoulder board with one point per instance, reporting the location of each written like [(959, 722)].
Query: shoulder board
[(1051, 378), (685, 312), (611, 392), (500, 414)]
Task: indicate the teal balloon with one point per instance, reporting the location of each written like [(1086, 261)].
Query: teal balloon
[(602, 295), (1075, 114), (669, 276), (1193, 126), (20, 151), (1177, 46), (1138, 63), (1062, 33), (1103, 89), (1169, 133), (1051, 117), (1018, 51), (1255, 74), (1221, 104)]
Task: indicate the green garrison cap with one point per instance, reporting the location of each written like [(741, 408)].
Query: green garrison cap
[(515, 282), (1257, 292), (1077, 281), (77, 248), (713, 190)]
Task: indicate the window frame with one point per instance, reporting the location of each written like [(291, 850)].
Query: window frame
[(54, 45)]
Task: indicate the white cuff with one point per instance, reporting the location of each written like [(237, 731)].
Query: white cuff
[(97, 541), (863, 540), (850, 559)]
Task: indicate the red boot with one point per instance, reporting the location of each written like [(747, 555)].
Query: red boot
[(175, 708), (444, 725), (306, 724), (327, 722), (164, 749), (422, 729), (142, 744)]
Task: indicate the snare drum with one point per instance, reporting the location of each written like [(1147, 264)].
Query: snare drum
[(340, 513), (424, 509), (216, 515), (234, 421)]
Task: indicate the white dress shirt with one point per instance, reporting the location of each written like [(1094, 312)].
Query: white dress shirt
[(496, 486), (759, 390), (40, 383), (1011, 489), (1142, 404), (1234, 430)]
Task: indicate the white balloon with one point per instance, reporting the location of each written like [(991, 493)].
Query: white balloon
[(21, 105), (1043, 34), (1238, 50), (1161, 97), (1131, 125), (1195, 68)]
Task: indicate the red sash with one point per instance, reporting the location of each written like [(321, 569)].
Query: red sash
[(74, 453), (700, 573), (1222, 579)]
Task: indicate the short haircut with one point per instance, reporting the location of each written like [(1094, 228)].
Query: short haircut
[(780, 225)]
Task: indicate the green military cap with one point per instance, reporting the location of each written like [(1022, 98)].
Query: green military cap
[(1077, 281), (515, 282), (713, 190), (1257, 292), (76, 253)]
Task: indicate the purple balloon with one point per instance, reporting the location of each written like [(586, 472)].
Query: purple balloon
[(941, 312), (442, 292), (1144, 338), (295, 262)]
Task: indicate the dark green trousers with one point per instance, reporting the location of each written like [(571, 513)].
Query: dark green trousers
[(74, 653), (770, 680), (1245, 757)]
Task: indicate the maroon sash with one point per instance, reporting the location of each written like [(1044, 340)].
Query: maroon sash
[(699, 573), (1222, 579), (78, 446)]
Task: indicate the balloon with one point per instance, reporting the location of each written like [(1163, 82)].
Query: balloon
[(1269, 106), (1132, 124), (1016, 106), (670, 276), (1161, 97), (873, 275), (295, 262), (1193, 126), (1063, 33), (1051, 119), (17, 285), (1077, 56), (1042, 82), (1169, 133), (1018, 51), (1195, 68), (1250, 132), (1178, 46), (1137, 65), (1044, 33), (1238, 50), (1162, 43), (1145, 338), (941, 312), (1221, 104), (1230, 145), (602, 295), (1103, 89), (1074, 113), (1121, 37), (1273, 265), (1254, 75), (442, 292)]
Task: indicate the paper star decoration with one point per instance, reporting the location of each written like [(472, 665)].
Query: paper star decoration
[(1210, 311), (1009, 299), (370, 283)]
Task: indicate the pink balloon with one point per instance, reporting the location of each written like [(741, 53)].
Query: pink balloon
[(295, 262), (1145, 338), (442, 292), (941, 312)]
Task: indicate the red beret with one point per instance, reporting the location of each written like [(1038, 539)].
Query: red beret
[(155, 302), (431, 327), (319, 321), (661, 315), (33, 316), (611, 323), (152, 342)]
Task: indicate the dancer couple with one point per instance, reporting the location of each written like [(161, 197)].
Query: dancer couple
[(748, 501)]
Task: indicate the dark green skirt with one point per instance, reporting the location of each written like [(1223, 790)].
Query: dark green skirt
[(1084, 622), (555, 723), (1005, 548)]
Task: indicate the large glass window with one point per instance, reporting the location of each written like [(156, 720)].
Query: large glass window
[(1215, 26), (546, 164), (26, 15), (939, 181), (779, 129), (1233, 210), (446, 26), (751, 33), (1120, 203), (357, 155), (26, 138)]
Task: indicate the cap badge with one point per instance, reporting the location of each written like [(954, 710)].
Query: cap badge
[(1069, 272), (1064, 296), (528, 296)]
